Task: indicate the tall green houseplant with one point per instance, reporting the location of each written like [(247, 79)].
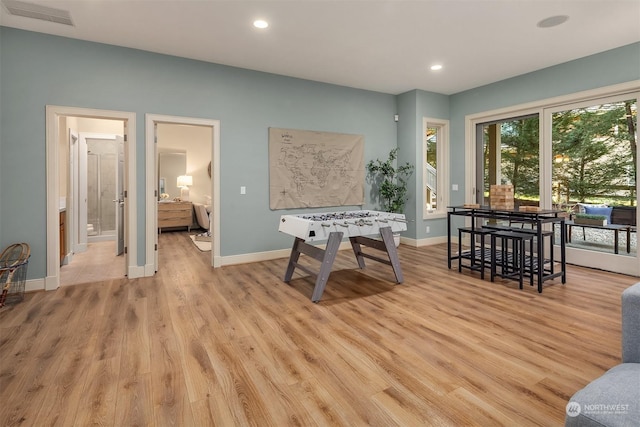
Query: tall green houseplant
[(391, 181)]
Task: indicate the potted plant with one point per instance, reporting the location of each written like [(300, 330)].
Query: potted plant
[(590, 219), (391, 182)]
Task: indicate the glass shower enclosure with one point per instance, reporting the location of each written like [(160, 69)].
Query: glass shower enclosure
[(101, 189)]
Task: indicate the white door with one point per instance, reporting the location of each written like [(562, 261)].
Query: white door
[(155, 211), (72, 193), (81, 199), (119, 200)]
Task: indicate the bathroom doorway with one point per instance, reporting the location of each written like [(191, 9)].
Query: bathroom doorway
[(64, 251)]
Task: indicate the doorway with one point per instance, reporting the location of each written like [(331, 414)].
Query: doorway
[(152, 121), (59, 138), (92, 193), (592, 146)]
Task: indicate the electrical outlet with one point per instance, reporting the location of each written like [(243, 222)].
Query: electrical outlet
[(243, 190), (428, 229)]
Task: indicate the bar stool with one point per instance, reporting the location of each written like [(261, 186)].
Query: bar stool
[(535, 263), (539, 264), (512, 262), (474, 253)]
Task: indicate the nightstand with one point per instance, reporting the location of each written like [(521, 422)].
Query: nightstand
[(175, 214)]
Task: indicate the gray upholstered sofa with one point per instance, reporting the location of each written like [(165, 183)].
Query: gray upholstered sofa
[(614, 398)]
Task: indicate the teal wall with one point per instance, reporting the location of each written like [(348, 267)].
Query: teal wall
[(413, 106), (39, 70)]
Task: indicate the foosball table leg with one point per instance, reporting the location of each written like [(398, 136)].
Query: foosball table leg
[(392, 251), (330, 253), (293, 259)]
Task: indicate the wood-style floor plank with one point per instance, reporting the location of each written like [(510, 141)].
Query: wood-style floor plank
[(236, 346)]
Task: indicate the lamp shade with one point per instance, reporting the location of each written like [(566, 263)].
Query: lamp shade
[(185, 180)]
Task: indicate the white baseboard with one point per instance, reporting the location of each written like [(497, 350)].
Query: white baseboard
[(424, 242), (34, 285), (266, 256)]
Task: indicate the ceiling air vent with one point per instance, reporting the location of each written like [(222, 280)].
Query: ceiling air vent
[(36, 11)]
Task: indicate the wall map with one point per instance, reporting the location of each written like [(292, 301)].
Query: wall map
[(315, 169)]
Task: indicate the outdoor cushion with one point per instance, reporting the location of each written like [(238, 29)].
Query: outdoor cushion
[(582, 206), (597, 210)]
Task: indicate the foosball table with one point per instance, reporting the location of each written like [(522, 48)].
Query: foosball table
[(358, 226)]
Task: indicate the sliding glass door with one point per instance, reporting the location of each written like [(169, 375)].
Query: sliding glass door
[(593, 156)]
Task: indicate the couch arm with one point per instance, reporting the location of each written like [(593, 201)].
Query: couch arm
[(631, 324)]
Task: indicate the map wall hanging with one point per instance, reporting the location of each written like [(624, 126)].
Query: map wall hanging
[(309, 169)]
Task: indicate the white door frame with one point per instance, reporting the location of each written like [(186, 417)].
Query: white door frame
[(151, 184), (53, 114)]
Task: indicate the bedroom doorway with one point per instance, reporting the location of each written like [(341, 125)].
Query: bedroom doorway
[(203, 170)]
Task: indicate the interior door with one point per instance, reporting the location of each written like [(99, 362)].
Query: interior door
[(155, 211), (81, 200), (119, 200), (72, 194)]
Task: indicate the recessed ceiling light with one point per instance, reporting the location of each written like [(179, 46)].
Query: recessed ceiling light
[(553, 21), (436, 67), (260, 23)]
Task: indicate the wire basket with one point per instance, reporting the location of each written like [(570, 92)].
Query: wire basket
[(13, 273)]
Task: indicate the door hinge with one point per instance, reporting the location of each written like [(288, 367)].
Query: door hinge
[(155, 193), (125, 194), (125, 137), (125, 250), (155, 246)]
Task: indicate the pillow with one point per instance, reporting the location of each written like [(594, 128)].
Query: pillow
[(597, 210), (583, 206)]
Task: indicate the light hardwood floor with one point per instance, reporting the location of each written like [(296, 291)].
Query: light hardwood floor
[(236, 346)]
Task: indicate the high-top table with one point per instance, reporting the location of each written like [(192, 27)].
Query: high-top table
[(537, 218)]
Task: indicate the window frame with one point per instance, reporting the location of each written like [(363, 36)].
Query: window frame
[(442, 171)]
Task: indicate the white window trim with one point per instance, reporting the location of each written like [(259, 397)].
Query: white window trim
[(443, 171)]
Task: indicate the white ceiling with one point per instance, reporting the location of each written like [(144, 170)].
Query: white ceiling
[(386, 46)]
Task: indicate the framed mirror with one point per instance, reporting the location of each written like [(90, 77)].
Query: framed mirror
[(171, 164)]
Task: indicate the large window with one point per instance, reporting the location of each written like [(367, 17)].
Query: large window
[(435, 179)]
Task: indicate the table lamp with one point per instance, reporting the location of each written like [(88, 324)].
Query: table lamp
[(184, 181)]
